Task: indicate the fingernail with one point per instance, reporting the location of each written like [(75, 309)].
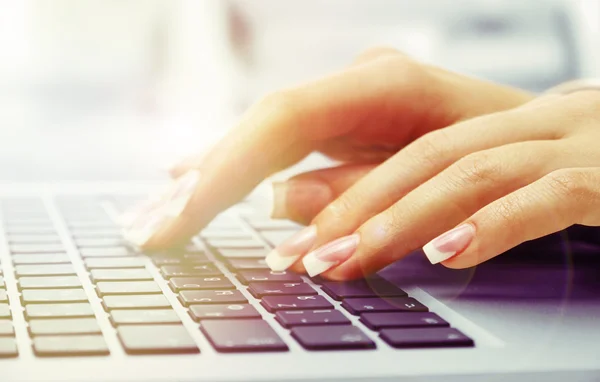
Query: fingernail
[(145, 227), (298, 193), (449, 244), (330, 255), (288, 252), (181, 193)]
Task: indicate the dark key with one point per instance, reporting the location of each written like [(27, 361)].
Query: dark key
[(243, 253), (61, 346), (3, 296), (362, 288), (163, 339), (229, 336), (358, 306), (105, 252), (64, 326), (49, 282), (36, 248), (49, 258), (34, 239), (41, 296), (99, 242), (292, 318), (424, 338), (247, 277), (190, 270), (377, 321), (236, 244), (4, 310), (189, 297), (44, 270), (6, 328), (215, 311), (114, 262), (127, 287), (133, 274), (247, 264), (139, 317), (275, 303), (259, 290), (198, 283), (332, 337), (58, 310), (8, 348), (145, 301)]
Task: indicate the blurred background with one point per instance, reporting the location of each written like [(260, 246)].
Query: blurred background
[(118, 89)]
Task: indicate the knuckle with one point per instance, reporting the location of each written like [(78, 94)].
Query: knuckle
[(574, 184), (476, 168), (340, 209), (432, 148), (582, 105), (509, 214)]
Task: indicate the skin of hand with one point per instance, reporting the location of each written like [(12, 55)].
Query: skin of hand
[(384, 117)]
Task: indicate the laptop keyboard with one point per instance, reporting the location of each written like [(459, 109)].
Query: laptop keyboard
[(220, 279)]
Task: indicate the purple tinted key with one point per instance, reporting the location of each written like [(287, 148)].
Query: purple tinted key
[(377, 321), (247, 264), (332, 337), (247, 277), (291, 318), (358, 306), (275, 303), (228, 336), (190, 270), (362, 288), (259, 290), (198, 283), (422, 338)]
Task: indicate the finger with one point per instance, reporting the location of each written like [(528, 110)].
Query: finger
[(302, 197), (427, 157), (555, 202)]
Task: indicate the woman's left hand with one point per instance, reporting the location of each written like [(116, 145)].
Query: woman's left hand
[(485, 185)]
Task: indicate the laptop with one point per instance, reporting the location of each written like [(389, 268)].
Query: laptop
[(77, 303)]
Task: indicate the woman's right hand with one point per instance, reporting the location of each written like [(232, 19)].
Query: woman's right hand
[(359, 116)]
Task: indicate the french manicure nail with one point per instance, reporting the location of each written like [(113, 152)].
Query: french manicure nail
[(449, 244), (330, 255), (286, 254)]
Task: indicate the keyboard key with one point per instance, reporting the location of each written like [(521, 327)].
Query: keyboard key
[(58, 310), (186, 258), (138, 317), (127, 287), (50, 258), (215, 311), (40, 296), (423, 338), (247, 277), (34, 239), (49, 282), (63, 326), (247, 264), (99, 242), (8, 348), (44, 270), (114, 262), (292, 318), (189, 297), (62, 346), (94, 234), (163, 339), (6, 328), (36, 248), (259, 290), (358, 306), (242, 336), (145, 301), (5, 311), (377, 321), (105, 252), (3, 296), (275, 303), (197, 283), (30, 230), (133, 274), (235, 244), (243, 253), (362, 288), (169, 271), (332, 337)]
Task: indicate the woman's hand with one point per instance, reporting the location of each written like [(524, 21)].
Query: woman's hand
[(361, 116), (490, 183)]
